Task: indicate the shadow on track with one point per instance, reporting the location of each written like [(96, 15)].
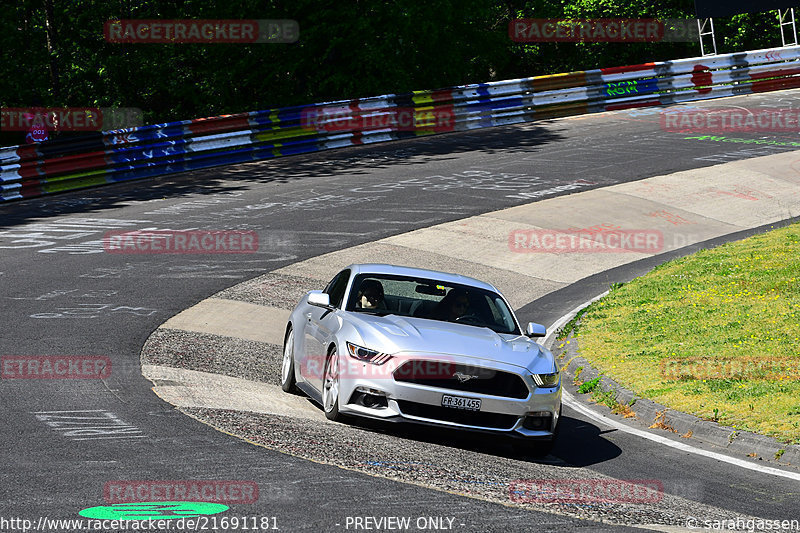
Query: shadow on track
[(579, 444), (358, 160)]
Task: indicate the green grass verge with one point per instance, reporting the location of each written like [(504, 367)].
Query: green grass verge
[(738, 304)]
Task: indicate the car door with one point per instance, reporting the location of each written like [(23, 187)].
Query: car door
[(320, 325)]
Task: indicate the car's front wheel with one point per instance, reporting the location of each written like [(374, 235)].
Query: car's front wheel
[(287, 365), (330, 386)]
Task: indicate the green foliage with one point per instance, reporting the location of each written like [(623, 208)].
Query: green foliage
[(571, 326), (589, 386), (346, 50), (607, 398)]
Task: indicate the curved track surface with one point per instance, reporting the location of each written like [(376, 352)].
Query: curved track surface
[(64, 296)]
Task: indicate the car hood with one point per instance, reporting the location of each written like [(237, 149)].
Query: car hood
[(394, 334)]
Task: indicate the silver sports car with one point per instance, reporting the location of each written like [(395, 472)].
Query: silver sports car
[(405, 344)]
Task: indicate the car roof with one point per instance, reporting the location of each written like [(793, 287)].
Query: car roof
[(382, 268)]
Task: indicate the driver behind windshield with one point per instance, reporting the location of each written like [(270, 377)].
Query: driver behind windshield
[(370, 295), (453, 306)]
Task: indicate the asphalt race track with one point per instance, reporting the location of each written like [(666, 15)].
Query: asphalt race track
[(63, 295)]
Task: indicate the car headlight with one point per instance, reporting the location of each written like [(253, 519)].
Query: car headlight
[(366, 355), (546, 380)]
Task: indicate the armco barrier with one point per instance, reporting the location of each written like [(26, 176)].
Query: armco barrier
[(108, 157)]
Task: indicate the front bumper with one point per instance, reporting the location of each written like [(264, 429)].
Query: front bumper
[(383, 397)]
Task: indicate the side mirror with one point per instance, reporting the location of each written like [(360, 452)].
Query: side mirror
[(535, 330), (320, 299)]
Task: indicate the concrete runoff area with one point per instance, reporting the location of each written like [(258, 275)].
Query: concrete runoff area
[(189, 388), (232, 318)]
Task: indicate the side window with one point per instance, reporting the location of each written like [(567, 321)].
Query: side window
[(337, 286)]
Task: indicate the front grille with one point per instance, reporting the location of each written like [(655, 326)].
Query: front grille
[(445, 375), (458, 416)]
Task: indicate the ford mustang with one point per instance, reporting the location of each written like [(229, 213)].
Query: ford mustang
[(412, 345)]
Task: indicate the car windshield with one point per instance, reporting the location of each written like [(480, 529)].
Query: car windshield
[(384, 294)]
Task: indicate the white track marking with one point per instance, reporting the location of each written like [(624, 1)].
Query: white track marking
[(573, 403)]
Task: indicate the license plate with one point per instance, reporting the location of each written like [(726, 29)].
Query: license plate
[(457, 402)]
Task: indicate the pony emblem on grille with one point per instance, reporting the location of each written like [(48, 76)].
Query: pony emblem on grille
[(463, 378)]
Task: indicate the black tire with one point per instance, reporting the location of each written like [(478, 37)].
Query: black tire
[(330, 387), (288, 383)]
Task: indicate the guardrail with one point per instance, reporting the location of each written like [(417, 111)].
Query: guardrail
[(28, 171)]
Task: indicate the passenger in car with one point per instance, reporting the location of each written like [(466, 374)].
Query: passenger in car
[(453, 306), (370, 295)]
